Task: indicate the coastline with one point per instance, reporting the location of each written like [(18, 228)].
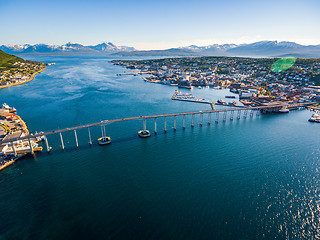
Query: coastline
[(31, 78)]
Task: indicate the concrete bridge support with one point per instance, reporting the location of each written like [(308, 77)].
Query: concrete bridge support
[(245, 113), (90, 141), (175, 123), (13, 149), (239, 114), (184, 122), (165, 124), (224, 116), (192, 121), (209, 118), (47, 144), (75, 135), (62, 144), (30, 145), (144, 123), (201, 119), (155, 125), (217, 117), (231, 115)]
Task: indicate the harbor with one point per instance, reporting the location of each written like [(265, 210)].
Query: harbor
[(11, 127), (239, 175)]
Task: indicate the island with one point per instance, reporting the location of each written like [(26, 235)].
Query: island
[(15, 70)]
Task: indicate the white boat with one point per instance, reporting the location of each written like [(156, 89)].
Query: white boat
[(5, 106), (221, 101), (284, 110), (144, 133), (315, 118), (104, 140)]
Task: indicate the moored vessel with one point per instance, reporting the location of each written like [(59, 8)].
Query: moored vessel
[(315, 118), (221, 101), (284, 110)]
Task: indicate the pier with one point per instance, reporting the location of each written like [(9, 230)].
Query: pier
[(244, 111)]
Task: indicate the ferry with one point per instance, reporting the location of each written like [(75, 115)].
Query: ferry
[(315, 118), (104, 140), (144, 133)]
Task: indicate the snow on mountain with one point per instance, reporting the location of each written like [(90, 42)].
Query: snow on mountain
[(69, 47)]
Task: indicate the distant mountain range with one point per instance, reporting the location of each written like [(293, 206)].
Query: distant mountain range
[(65, 49), (257, 49)]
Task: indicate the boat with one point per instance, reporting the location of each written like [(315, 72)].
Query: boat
[(104, 140), (221, 101), (315, 118), (199, 87), (144, 133), (10, 109), (230, 96), (284, 110), (244, 102), (186, 86), (235, 103)]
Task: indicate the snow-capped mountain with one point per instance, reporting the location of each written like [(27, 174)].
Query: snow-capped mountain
[(257, 49), (68, 48)]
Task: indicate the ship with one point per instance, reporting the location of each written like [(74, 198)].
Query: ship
[(284, 110), (221, 101), (315, 118)]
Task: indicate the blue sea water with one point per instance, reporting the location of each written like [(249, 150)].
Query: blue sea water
[(254, 178)]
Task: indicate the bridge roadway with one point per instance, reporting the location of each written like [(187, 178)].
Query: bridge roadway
[(153, 116)]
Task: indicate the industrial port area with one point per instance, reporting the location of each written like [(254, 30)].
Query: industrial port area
[(11, 127)]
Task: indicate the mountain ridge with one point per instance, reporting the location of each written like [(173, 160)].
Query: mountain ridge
[(256, 49)]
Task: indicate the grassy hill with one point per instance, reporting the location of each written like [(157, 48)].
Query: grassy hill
[(6, 60)]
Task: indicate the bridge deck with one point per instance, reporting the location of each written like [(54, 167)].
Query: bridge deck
[(153, 116)]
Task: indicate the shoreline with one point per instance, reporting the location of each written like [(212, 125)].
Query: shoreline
[(31, 78)]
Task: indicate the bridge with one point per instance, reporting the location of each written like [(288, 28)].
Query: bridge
[(238, 110)]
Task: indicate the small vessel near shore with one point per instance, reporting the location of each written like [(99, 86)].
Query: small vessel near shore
[(220, 101), (284, 110), (244, 102), (186, 86), (144, 133), (315, 118), (10, 109)]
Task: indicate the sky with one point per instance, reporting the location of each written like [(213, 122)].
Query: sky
[(149, 24)]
